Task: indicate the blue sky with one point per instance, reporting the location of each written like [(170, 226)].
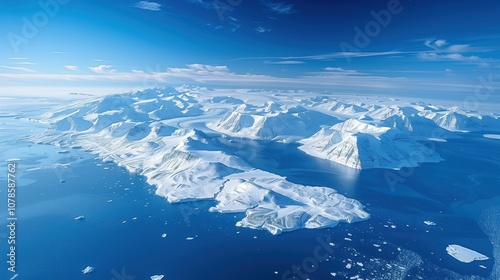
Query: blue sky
[(377, 47)]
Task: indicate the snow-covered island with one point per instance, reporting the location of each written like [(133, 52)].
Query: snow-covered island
[(180, 140)]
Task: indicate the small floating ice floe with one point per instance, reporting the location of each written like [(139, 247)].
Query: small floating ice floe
[(157, 277), (164, 235), (463, 254), (87, 270), (492, 136), (189, 238), (429, 223), (80, 217)]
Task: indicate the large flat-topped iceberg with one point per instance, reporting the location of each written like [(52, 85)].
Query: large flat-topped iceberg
[(463, 254), (274, 204)]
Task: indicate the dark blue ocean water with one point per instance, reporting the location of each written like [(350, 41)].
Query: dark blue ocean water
[(121, 235)]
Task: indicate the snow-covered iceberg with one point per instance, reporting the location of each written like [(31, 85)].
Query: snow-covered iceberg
[(277, 205), (464, 254)]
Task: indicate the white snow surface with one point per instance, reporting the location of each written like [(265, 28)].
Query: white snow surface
[(271, 121), (464, 254), (180, 140)]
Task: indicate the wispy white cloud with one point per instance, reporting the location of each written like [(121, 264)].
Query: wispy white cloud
[(450, 56), (23, 69), (456, 52), (231, 24), (18, 58), (72, 67), (103, 69), (458, 48), (280, 8), (58, 52), (26, 63), (220, 75), (207, 4), (440, 42), (147, 5), (328, 56), (438, 46), (234, 24), (434, 44), (340, 70), (261, 29), (289, 62)]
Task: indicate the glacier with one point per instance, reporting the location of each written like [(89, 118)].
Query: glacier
[(179, 139)]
